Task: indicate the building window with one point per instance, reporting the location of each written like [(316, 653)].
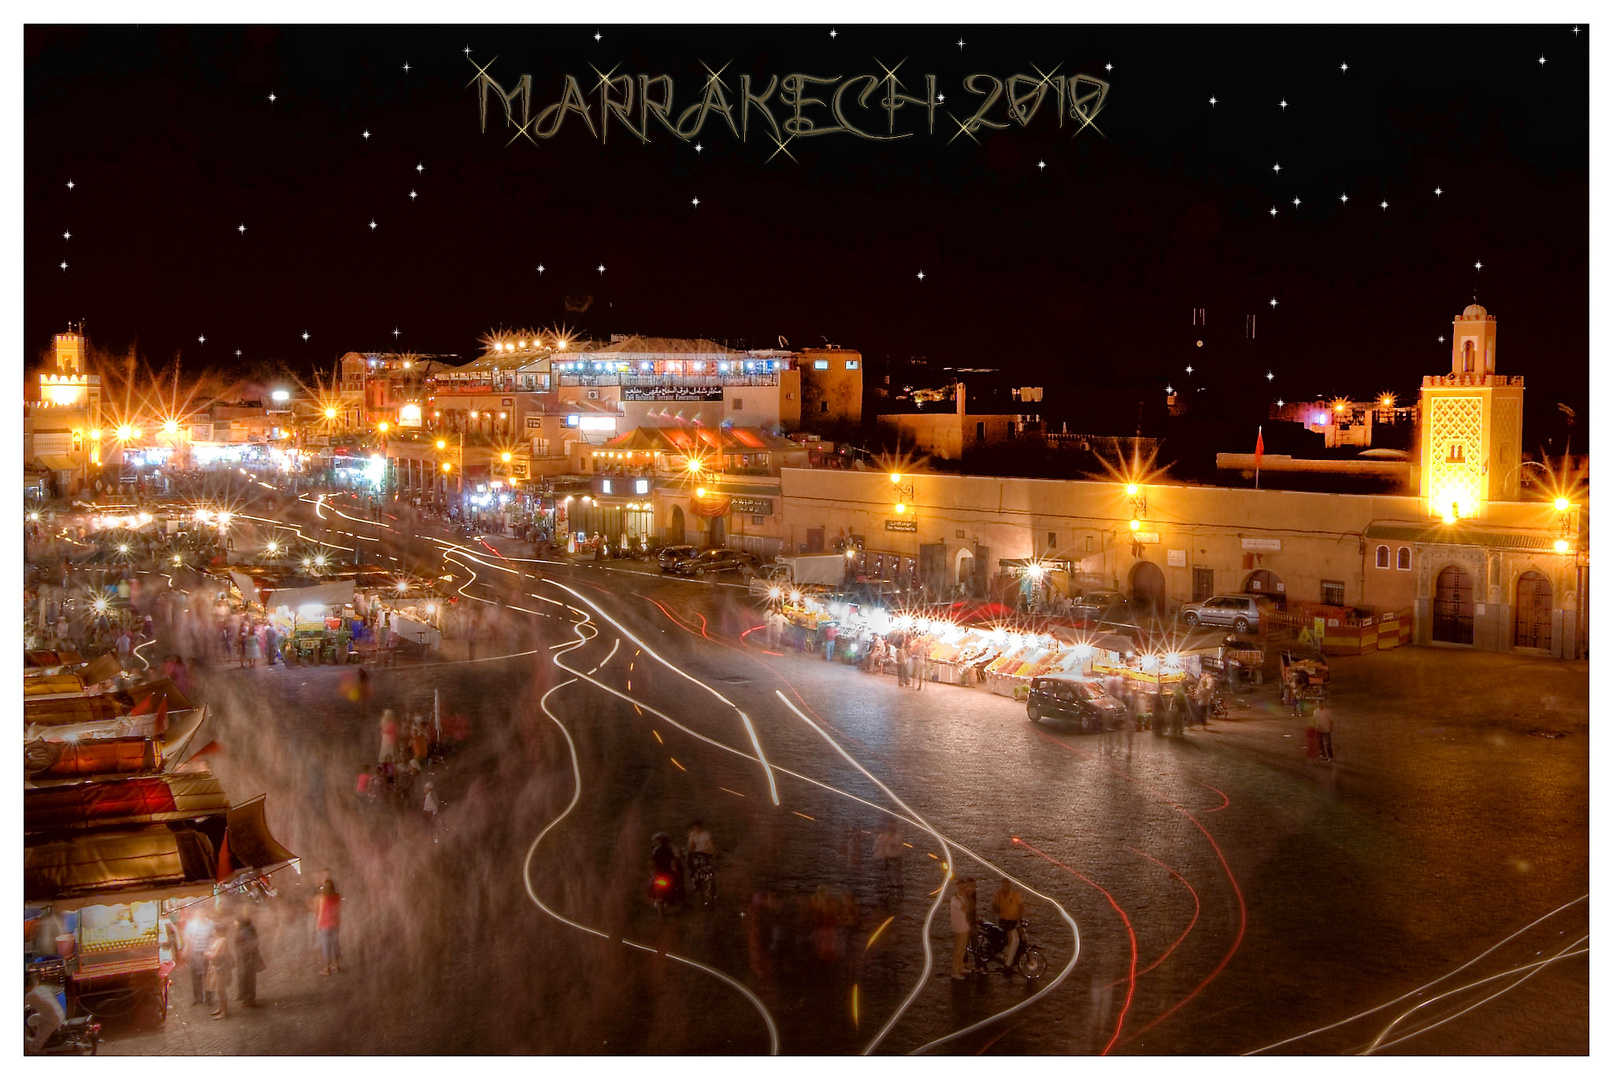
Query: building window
[(1403, 559), (641, 487), (739, 404), (1457, 455), (1052, 540), (820, 365), (823, 406), (851, 365), (1333, 593), (1089, 543), (758, 519), (1383, 556)]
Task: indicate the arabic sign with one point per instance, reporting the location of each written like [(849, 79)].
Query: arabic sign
[(745, 505), (901, 526), (672, 393)]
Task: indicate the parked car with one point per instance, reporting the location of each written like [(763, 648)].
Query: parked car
[(1082, 702), (1241, 611), (675, 553), (714, 561), (1102, 605)]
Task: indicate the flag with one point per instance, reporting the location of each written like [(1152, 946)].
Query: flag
[(224, 867), (1260, 444)]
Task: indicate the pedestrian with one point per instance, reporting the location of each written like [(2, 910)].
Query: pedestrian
[(328, 922), (921, 657), (389, 735), (420, 744), (1322, 721), (830, 633), (363, 684), (1010, 904), (253, 650), (197, 939), (888, 852), (220, 967), (248, 962), (961, 926), (901, 663)]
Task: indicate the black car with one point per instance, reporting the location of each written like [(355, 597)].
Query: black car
[(1103, 605), (1081, 702), (674, 554), (713, 561)]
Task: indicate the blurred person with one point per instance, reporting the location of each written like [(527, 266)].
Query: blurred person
[(420, 744), (254, 651), (664, 860), (389, 735), (888, 851), (248, 962), (124, 647), (921, 656), (1010, 904), (825, 911), (48, 1012), (961, 926), (1322, 721), (220, 968), (197, 938), (328, 925)]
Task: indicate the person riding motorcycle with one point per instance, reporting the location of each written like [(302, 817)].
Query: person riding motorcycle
[(700, 849), (664, 861)]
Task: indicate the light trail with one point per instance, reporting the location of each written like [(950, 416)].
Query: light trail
[(1424, 986)]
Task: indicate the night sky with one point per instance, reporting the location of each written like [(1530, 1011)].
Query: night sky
[(1069, 260)]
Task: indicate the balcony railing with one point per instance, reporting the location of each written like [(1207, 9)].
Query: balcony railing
[(652, 381)]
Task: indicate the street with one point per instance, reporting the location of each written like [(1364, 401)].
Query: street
[(1214, 893)]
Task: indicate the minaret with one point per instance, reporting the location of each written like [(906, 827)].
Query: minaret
[(1472, 424)]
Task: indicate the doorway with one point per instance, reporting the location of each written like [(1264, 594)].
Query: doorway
[(1147, 588), (1267, 584), (674, 531), (1532, 623), (1453, 606)]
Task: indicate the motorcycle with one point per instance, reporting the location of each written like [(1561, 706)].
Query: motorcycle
[(990, 941), (78, 1035)]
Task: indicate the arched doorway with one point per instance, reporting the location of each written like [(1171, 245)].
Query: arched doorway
[(1453, 606), (963, 569), (674, 531), (1532, 623), (1147, 589), (1267, 584)]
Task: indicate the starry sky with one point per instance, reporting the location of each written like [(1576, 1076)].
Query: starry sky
[(378, 215)]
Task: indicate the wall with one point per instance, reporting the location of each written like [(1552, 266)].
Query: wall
[(833, 395)]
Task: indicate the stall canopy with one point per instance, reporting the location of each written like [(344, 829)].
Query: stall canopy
[(101, 669), (140, 700), (155, 857), (96, 804), (329, 594), (248, 842)]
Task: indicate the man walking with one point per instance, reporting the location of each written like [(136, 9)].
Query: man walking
[(1322, 721), (921, 654), (1010, 910)]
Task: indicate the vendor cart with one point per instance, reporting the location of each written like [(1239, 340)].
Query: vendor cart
[(1243, 659), (1305, 676)]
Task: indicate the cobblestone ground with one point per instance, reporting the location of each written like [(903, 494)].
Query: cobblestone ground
[(1257, 895)]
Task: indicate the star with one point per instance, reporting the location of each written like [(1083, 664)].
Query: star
[(1270, 376), (467, 50), (1170, 389), (1283, 104), (1273, 211), (419, 169), (1442, 339), (406, 67), (1041, 164), (69, 185), (201, 339), (601, 268), (1384, 204), (1344, 198), (1296, 200), (241, 229), (960, 43), (1108, 67), (1279, 403), (1437, 193), (64, 264), (1212, 101), (305, 335), (698, 148), (921, 275), (1576, 31), (366, 133), (833, 33), (1542, 59), (1277, 167), (67, 236), (271, 97), (1273, 301), (237, 352), (411, 196), (1344, 67), (597, 35), (940, 98), (540, 268), (695, 202), (1190, 369), (395, 333), (372, 224), (1478, 266)]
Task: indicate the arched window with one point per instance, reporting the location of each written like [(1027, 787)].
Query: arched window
[(1403, 559), (1383, 556), (1467, 356)]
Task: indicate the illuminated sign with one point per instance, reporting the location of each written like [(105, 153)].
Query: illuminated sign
[(744, 505), (672, 393), (901, 526), (409, 415)]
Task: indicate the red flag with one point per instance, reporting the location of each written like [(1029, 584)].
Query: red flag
[(224, 867), (1260, 444)]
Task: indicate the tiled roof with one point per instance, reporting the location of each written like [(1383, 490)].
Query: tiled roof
[(1463, 534)]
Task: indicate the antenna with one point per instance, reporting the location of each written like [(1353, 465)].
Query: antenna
[(783, 342)]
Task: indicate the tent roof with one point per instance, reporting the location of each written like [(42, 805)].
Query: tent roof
[(135, 800)]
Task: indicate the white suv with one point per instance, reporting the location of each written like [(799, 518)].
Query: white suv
[(1237, 610)]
